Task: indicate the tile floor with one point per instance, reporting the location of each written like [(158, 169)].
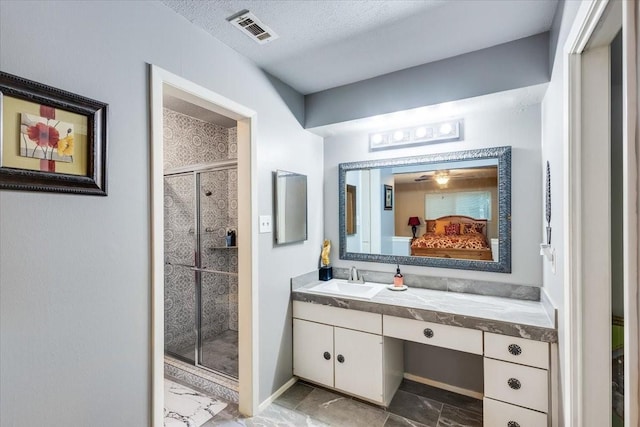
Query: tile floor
[(414, 405), (219, 353)]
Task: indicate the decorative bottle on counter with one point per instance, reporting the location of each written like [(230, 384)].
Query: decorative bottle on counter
[(398, 279)]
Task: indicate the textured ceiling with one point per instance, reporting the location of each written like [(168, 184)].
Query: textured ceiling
[(324, 44)]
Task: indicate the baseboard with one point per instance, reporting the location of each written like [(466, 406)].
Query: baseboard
[(443, 386), (277, 394)]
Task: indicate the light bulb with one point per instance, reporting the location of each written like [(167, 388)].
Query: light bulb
[(442, 179), (421, 132), (377, 138), (398, 135), (446, 129)]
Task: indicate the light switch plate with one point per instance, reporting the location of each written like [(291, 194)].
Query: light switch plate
[(265, 224)]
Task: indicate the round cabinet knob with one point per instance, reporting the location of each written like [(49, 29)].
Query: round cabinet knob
[(428, 332), (514, 383), (513, 424), (340, 358), (515, 349), (327, 355)]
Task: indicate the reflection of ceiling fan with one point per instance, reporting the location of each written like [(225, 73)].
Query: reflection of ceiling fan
[(489, 172), (442, 177)]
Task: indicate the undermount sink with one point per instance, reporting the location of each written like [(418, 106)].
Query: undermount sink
[(345, 288)]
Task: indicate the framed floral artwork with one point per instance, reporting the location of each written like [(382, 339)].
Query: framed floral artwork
[(50, 139)]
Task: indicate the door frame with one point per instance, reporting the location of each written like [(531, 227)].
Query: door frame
[(162, 82), (594, 25)]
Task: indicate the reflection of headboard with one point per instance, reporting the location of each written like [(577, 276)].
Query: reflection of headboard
[(460, 219)]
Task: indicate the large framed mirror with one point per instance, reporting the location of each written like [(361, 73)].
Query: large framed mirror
[(450, 210)]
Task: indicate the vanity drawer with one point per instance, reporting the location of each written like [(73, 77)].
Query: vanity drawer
[(517, 350), (350, 319), (453, 337), (500, 414), (517, 384)]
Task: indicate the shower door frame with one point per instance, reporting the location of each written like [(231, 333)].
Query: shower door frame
[(197, 268), (163, 82)]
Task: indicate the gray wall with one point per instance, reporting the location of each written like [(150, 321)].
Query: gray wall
[(553, 136), (74, 270), (512, 65)]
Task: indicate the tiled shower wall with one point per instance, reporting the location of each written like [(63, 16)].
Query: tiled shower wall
[(189, 141)]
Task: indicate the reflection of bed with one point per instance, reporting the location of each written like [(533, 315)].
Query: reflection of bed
[(462, 246)]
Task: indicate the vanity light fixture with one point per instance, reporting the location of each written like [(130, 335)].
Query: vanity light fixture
[(423, 134)]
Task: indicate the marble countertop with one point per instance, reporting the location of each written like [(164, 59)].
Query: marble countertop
[(519, 318)]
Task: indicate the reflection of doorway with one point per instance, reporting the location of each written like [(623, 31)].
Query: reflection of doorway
[(163, 82), (351, 209), (589, 236)]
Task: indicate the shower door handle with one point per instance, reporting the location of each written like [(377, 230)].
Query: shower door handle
[(203, 269)]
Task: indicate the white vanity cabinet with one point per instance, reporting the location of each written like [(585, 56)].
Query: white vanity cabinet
[(345, 350), (451, 337), (361, 353), (516, 382)]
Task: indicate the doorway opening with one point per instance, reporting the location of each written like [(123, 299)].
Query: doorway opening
[(204, 300), (601, 220)]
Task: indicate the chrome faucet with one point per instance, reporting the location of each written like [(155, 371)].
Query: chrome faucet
[(353, 276)]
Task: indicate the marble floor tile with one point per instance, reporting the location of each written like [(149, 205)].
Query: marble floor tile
[(444, 396), (338, 410), (398, 421), (273, 416), (229, 417), (417, 408), (456, 417), (184, 407), (294, 395), (308, 405)]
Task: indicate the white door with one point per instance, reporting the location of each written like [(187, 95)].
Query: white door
[(313, 351), (358, 363)]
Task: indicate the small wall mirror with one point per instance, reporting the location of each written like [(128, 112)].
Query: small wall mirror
[(449, 210), (290, 207)]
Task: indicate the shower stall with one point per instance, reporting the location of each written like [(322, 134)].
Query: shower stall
[(201, 266)]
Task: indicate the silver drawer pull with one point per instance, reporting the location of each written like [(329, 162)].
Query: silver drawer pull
[(514, 383), (513, 424), (428, 332), (515, 349)]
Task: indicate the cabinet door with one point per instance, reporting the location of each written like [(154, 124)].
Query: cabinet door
[(313, 351), (358, 364)]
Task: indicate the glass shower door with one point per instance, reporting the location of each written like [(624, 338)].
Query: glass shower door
[(180, 277), (218, 331)]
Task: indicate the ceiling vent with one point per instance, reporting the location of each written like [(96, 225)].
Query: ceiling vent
[(250, 25)]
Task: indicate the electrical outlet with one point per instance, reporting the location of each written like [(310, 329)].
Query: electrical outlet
[(265, 224)]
